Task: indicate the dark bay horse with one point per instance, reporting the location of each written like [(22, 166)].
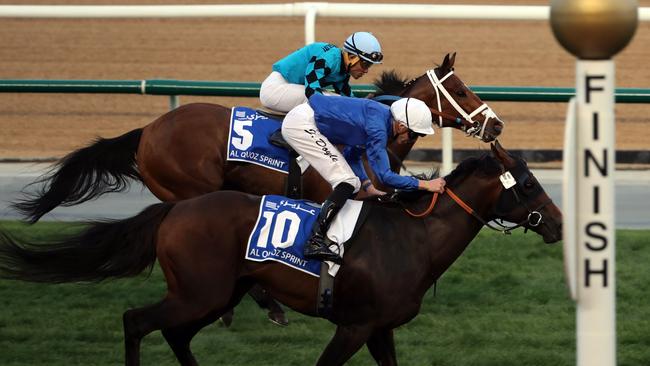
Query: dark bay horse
[(200, 244), (182, 154)]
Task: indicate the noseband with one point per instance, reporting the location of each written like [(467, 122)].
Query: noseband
[(477, 130)]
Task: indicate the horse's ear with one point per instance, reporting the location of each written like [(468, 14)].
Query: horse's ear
[(445, 63), (448, 62), (452, 60), (500, 153)]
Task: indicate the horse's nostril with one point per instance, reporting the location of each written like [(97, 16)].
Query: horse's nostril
[(498, 127)]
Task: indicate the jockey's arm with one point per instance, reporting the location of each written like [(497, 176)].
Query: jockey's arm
[(380, 165), (315, 75), (353, 155), (343, 88)]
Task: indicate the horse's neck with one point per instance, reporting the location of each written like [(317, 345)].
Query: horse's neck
[(454, 228), (421, 88), (414, 90), (422, 248), (400, 151)]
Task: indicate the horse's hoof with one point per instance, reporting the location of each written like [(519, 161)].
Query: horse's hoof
[(226, 319), (279, 319)]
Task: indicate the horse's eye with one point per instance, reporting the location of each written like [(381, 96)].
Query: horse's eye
[(461, 93), (528, 184)]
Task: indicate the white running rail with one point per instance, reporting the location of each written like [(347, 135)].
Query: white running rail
[(310, 11)]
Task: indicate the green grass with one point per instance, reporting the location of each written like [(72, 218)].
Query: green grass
[(504, 302)]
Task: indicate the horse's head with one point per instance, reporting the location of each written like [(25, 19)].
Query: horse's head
[(522, 200), (453, 104), (501, 187)]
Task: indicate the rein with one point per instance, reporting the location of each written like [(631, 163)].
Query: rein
[(534, 216), (434, 199)]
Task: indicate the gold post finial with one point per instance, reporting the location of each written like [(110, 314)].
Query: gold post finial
[(594, 29)]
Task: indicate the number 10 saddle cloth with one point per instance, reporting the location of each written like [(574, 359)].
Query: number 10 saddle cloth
[(284, 225)]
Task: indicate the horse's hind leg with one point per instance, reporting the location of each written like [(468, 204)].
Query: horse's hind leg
[(265, 301), (169, 313), (179, 338), (346, 342), (382, 347)]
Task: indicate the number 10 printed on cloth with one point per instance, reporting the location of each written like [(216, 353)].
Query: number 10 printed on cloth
[(283, 226)]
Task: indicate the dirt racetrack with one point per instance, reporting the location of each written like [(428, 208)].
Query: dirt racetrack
[(496, 53)]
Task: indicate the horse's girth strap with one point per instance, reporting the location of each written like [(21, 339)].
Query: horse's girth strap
[(434, 198), (459, 201)]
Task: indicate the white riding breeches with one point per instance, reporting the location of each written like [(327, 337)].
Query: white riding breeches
[(299, 130), (279, 95)]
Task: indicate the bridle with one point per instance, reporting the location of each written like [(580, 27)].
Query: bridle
[(534, 218), (477, 129)]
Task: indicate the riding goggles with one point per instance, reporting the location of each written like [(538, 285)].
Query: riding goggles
[(365, 64), (374, 57), (413, 135)]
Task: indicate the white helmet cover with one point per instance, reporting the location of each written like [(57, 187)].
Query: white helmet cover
[(364, 45), (416, 118)]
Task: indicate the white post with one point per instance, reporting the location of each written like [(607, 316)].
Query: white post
[(310, 24), (447, 152), (579, 26), (596, 262), (173, 102), (569, 199)]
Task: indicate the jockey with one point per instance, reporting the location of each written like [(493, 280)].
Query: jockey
[(313, 67), (362, 125)]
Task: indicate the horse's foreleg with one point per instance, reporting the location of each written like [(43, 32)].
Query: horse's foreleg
[(346, 342), (382, 347)]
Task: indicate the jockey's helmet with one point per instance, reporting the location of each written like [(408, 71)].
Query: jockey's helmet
[(414, 114), (364, 45)]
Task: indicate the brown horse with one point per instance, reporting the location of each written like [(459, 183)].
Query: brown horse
[(200, 244), (183, 154)]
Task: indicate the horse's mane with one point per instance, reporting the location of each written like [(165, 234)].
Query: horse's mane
[(485, 165), (391, 83)]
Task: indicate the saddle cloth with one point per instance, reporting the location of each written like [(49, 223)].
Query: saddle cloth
[(284, 225), (248, 141)]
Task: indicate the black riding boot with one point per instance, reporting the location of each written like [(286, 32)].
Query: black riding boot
[(317, 246)]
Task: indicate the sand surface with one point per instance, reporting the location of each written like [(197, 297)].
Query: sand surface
[(503, 53)]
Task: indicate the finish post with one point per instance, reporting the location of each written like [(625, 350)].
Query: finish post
[(593, 31)]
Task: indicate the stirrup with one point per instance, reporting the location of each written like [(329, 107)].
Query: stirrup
[(317, 248)]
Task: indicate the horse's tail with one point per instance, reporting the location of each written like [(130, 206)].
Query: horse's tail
[(120, 248), (105, 166)]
